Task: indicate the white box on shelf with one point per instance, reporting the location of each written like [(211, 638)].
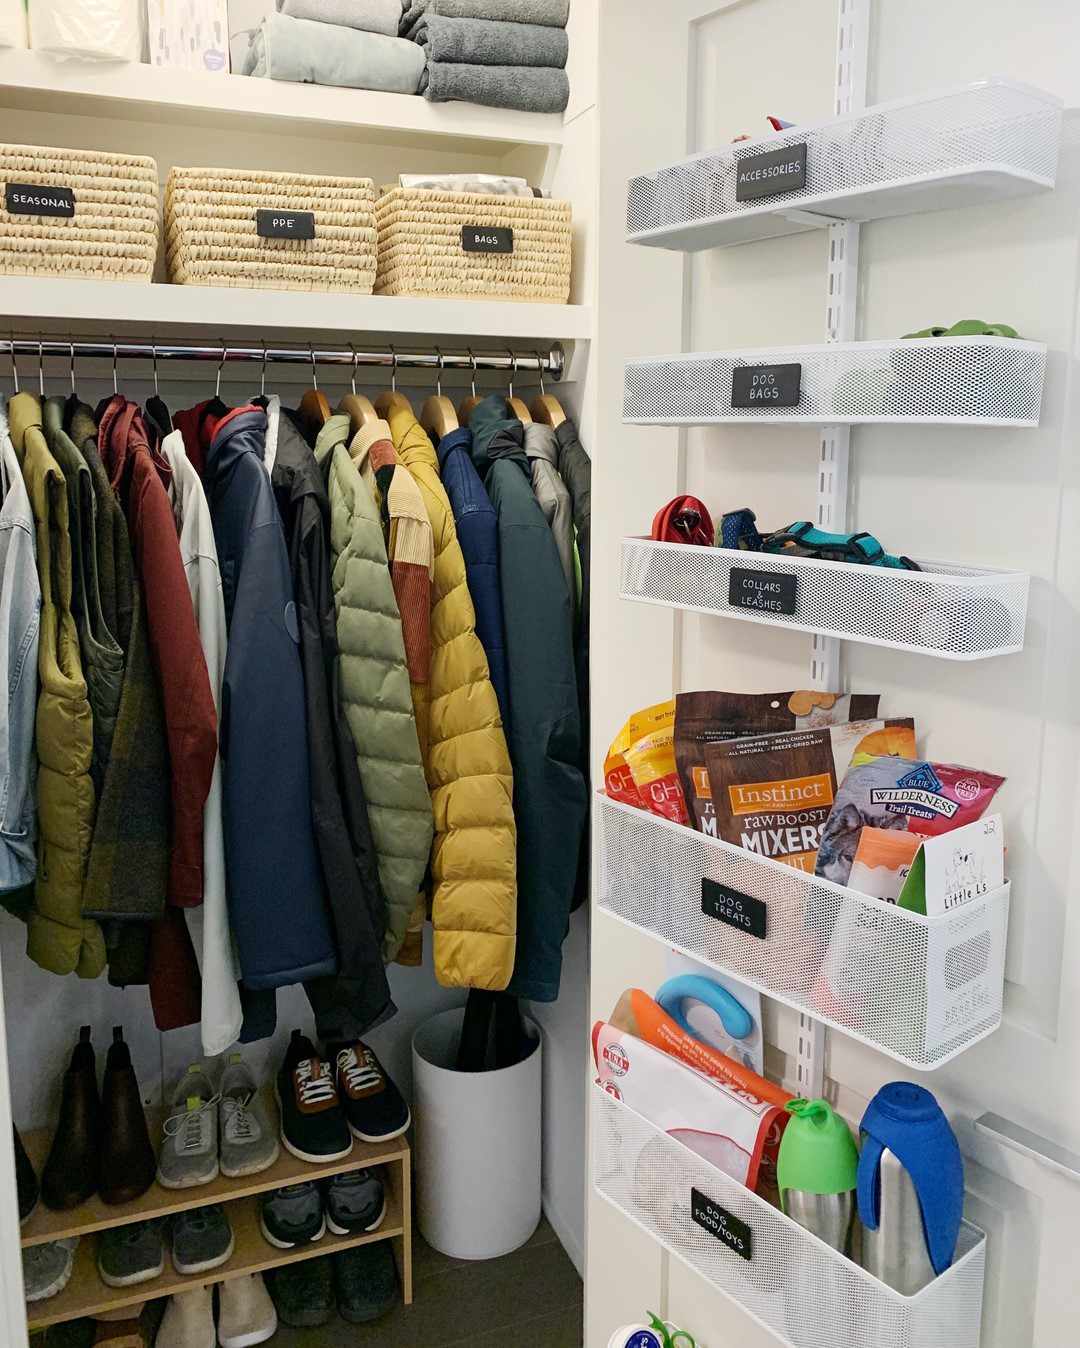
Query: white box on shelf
[(970, 146), (952, 612), (920, 989), (955, 381), (192, 34), (785, 1278)]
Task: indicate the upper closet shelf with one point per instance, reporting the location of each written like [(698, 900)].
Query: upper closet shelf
[(972, 146), (180, 97), (36, 306), (962, 381)]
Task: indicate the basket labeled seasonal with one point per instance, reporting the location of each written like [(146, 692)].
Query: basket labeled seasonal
[(77, 213), (270, 231), (471, 246)]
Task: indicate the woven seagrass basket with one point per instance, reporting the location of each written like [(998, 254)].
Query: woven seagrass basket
[(81, 213), (424, 238), (219, 223)]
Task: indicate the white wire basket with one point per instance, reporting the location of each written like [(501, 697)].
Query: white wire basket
[(793, 1284), (971, 146), (952, 612), (920, 989), (953, 381)]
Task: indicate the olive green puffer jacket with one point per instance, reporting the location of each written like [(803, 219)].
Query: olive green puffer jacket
[(375, 686)]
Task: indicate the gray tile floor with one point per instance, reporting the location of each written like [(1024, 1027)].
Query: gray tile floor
[(532, 1296)]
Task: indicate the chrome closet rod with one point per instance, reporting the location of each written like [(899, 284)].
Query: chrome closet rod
[(552, 363)]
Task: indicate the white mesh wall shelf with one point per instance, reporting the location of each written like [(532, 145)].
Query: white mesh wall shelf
[(920, 989), (970, 146), (795, 1285), (953, 612), (959, 381)]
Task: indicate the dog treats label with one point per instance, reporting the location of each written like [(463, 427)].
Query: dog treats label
[(487, 239), (740, 911), (285, 224), (770, 172), (26, 199)]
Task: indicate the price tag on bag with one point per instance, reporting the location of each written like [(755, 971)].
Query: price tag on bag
[(285, 224), (771, 172), (738, 910), (487, 238), (28, 199), (763, 591), (766, 386), (728, 1229)]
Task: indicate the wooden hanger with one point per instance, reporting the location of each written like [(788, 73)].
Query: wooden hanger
[(314, 409), (360, 410), (514, 405), (391, 400), (466, 409), (544, 407), (437, 416)]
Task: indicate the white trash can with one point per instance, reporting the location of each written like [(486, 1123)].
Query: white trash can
[(477, 1145)]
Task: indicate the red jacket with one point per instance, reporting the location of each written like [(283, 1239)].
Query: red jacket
[(139, 474)]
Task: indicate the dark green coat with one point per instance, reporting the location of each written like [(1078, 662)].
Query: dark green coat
[(550, 796)]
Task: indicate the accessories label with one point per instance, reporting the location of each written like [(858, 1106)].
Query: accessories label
[(770, 172), (764, 591), (737, 910), (487, 239), (736, 1235), (285, 224), (26, 199), (766, 385)]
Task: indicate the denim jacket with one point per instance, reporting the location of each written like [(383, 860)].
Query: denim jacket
[(20, 616)]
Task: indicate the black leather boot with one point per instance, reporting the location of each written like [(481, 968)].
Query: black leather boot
[(25, 1180), (127, 1157), (70, 1176)]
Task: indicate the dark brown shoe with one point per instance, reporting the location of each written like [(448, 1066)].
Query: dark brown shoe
[(127, 1157), (71, 1173)]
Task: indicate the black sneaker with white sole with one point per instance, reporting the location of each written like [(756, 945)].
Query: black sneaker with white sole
[(292, 1215), (354, 1203), (313, 1123), (374, 1107)]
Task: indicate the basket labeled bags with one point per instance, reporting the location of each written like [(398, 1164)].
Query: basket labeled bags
[(472, 246), (81, 213), (270, 231)]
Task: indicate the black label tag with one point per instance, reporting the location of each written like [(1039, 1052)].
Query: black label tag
[(737, 910), (771, 172), (487, 238), (26, 199), (720, 1223), (764, 591), (285, 224), (766, 385)]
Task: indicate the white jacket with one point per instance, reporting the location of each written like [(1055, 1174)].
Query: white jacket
[(222, 1015)]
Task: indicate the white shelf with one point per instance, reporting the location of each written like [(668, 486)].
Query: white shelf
[(33, 305), (954, 381), (31, 82), (805, 1292), (972, 146), (920, 989), (952, 612)]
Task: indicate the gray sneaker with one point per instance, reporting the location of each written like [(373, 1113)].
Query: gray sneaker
[(355, 1203), (131, 1254), (189, 1148), (202, 1239), (248, 1143), (293, 1215), (47, 1268)]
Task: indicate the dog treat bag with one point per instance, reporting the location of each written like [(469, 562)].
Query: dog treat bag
[(708, 718), (772, 793), (651, 761), (618, 779), (900, 793)]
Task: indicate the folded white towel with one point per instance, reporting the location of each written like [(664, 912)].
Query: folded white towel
[(304, 52)]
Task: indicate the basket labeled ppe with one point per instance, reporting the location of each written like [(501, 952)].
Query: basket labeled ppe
[(270, 231), (77, 213), (473, 246)]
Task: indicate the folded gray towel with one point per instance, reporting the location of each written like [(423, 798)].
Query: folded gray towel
[(550, 13), (526, 88), (371, 16), (283, 48), (487, 42)]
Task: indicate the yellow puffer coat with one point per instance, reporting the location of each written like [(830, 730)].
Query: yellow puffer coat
[(473, 864)]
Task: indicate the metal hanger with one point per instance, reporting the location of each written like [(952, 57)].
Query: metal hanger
[(360, 410), (221, 366), (514, 405), (465, 411), (437, 416), (544, 407), (72, 345), (392, 400), (14, 367), (157, 388), (262, 372), (115, 381), (314, 409), (40, 371)]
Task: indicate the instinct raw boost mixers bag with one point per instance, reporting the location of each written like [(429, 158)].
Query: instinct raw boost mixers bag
[(709, 718), (923, 798), (773, 793), (618, 779)]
